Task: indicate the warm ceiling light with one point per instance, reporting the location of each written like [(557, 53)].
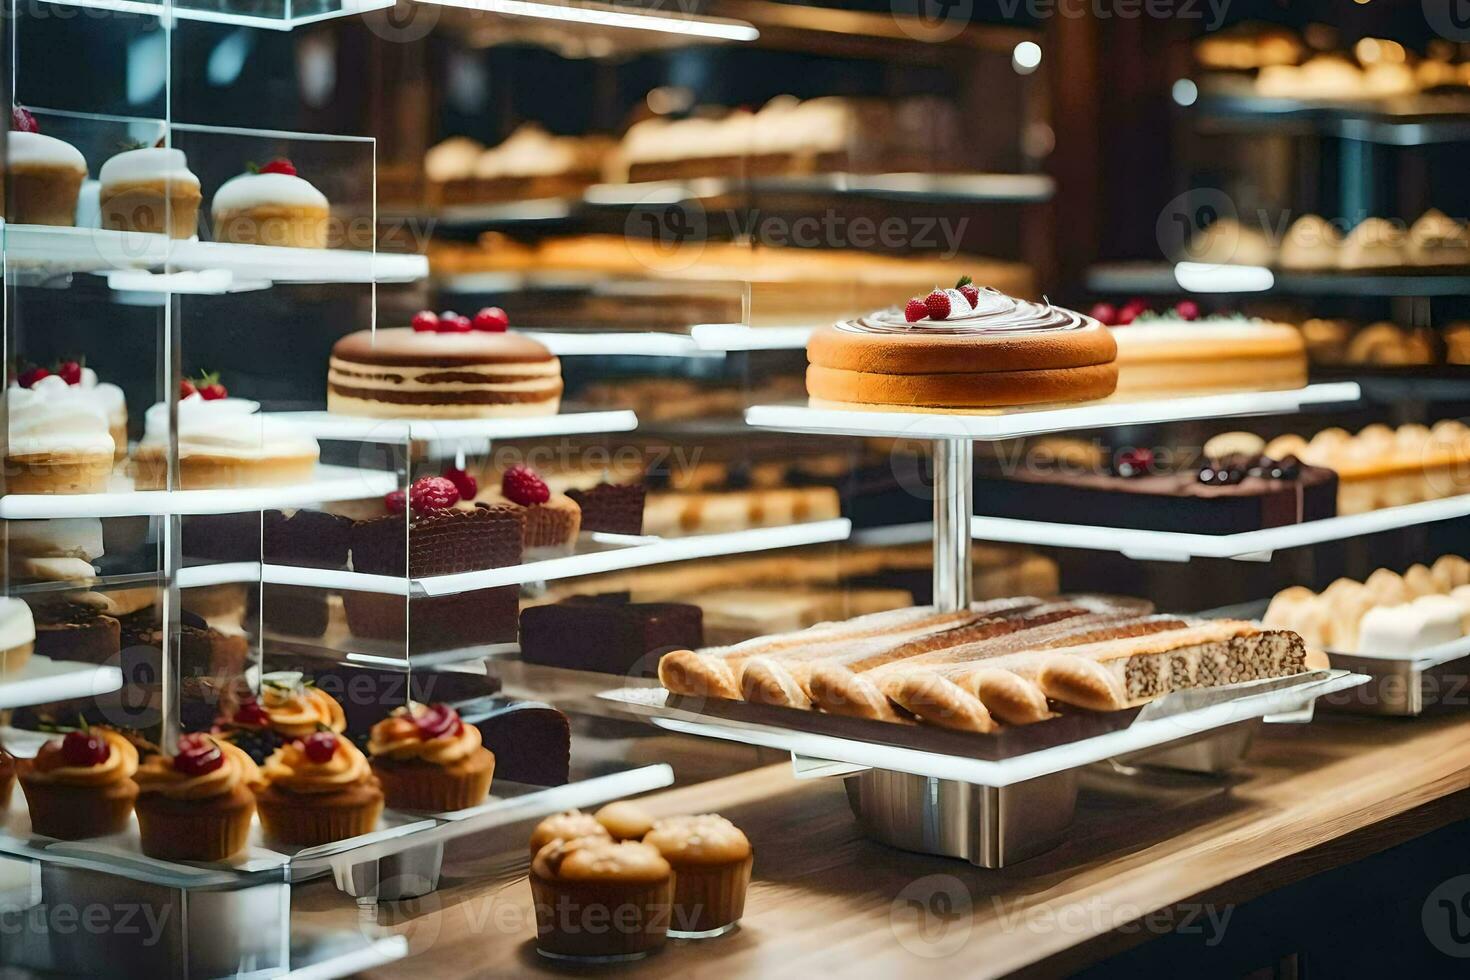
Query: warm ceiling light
[(724, 30)]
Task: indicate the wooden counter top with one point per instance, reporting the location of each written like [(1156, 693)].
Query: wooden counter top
[(1310, 798)]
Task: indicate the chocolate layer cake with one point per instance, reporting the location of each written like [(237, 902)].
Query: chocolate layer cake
[(532, 742), (441, 542), (608, 633), (1188, 502), (76, 633), (612, 507)]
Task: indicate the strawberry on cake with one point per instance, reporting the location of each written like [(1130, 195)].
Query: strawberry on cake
[(271, 206), (964, 349), (445, 366), (45, 174)]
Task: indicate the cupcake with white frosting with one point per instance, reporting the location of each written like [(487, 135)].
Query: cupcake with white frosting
[(151, 190), (223, 442), (59, 439), (45, 174), (272, 206), (17, 634)]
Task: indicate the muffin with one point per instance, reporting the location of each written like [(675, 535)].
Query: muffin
[(625, 820), (81, 785), (711, 859), (568, 825), (150, 189), (271, 206), (426, 758), (318, 790), (45, 174), (197, 804), (598, 899)]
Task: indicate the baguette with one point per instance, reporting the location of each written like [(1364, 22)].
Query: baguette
[(941, 702)]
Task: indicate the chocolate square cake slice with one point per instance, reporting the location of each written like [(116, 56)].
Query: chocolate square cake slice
[(608, 634), (614, 508)]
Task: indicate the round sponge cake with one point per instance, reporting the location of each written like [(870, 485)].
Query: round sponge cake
[(402, 373), (1003, 353)]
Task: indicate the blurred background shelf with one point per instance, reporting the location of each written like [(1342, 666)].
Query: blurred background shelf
[(43, 680), (1122, 278), (280, 15)]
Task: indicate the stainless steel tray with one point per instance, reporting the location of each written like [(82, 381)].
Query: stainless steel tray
[(1009, 757)]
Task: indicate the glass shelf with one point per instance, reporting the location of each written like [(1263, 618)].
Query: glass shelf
[(1166, 278), (1243, 546), (1410, 120), (326, 425), (43, 680), (1009, 423), (1006, 758), (279, 15), (331, 483)]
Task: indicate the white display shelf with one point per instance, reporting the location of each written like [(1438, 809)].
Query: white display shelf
[(596, 553), (350, 428), (734, 337), (231, 267), (330, 483), (1243, 546), (813, 735), (703, 340), (1425, 659), (278, 15), (508, 803), (1010, 423), (43, 680)]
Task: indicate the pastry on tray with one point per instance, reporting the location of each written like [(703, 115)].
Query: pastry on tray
[(196, 805), (319, 789), (626, 884), (1382, 467), (962, 349), (222, 442), (150, 189), (427, 758), (44, 175), (81, 784), (271, 206), (1004, 662), (445, 366), (60, 440)]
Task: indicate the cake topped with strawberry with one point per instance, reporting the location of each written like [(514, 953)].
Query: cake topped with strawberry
[(271, 205), (45, 174), (74, 372), (444, 366)]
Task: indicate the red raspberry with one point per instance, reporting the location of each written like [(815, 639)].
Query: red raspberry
[(492, 319), (524, 486), (437, 720), (70, 372), (467, 485), (916, 310), (1104, 313), (971, 293), (22, 121), (29, 378), (1186, 309), (396, 501), (937, 303), (425, 321), (280, 165), (213, 392), (462, 324), (84, 748), (252, 713), (320, 747), (432, 493), (186, 388), (197, 755), (1126, 316)]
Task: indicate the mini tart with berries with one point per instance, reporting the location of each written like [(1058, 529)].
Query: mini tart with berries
[(59, 438), (152, 190), (961, 350), (81, 785), (197, 804), (44, 175), (427, 758), (446, 366), (292, 708), (318, 790), (271, 206), (553, 520), (223, 442)]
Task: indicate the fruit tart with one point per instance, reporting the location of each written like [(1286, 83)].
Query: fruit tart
[(196, 805), (81, 785), (427, 758), (319, 789)]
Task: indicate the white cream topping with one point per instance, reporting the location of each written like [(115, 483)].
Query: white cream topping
[(53, 416), (149, 163), (108, 395), (254, 190), (226, 427), (62, 537), (34, 148), (17, 626)]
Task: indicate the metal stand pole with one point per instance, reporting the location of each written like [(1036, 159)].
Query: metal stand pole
[(953, 504)]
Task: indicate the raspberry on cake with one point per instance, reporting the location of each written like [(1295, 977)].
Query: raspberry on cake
[(443, 367), (553, 520), (961, 356), (271, 206)]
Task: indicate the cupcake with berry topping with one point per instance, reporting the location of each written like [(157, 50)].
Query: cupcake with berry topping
[(552, 519), (427, 758), (81, 785), (150, 189), (288, 708), (271, 206), (197, 804), (44, 174), (58, 437), (319, 789)]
